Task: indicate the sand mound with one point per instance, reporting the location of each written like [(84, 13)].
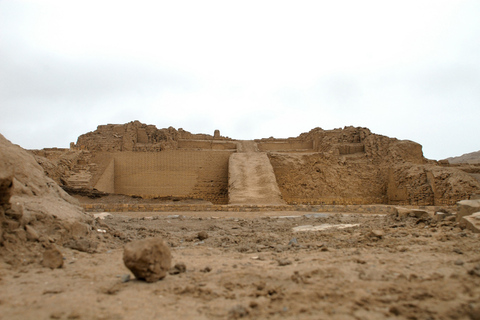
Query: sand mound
[(34, 211)]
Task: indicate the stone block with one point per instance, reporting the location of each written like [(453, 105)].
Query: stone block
[(467, 207), (471, 222)]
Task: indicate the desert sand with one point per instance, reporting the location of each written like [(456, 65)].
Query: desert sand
[(255, 266)]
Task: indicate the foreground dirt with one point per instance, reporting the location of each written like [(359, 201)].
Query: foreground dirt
[(255, 266)]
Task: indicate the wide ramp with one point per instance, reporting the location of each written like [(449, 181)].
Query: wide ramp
[(251, 179)]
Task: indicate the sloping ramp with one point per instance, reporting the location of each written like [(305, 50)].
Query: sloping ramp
[(251, 179)]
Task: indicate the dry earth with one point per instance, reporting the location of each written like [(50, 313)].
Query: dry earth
[(229, 265), (254, 266)]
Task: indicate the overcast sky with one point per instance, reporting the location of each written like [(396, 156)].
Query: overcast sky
[(252, 69)]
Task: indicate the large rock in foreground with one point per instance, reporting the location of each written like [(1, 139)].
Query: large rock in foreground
[(148, 259)]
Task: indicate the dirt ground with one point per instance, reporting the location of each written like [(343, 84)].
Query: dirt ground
[(254, 266)]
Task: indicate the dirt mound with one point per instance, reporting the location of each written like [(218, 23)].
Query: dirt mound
[(35, 212)]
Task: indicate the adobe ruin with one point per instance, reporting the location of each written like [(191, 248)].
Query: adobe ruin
[(349, 166)]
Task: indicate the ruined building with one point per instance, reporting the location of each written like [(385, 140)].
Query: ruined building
[(340, 166)]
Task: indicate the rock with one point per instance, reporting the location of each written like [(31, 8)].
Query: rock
[(78, 229), (439, 216), (101, 215), (457, 250), (404, 213), (178, 268), (284, 262), (475, 271), (83, 245), (32, 234), (419, 214), (148, 259), (467, 207), (471, 222), (125, 278), (206, 269), (202, 235), (238, 311), (52, 258), (376, 234), (451, 218)]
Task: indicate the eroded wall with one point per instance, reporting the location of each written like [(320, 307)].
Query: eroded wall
[(320, 179)]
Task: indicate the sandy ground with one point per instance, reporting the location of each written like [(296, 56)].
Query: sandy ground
[(255, 266)]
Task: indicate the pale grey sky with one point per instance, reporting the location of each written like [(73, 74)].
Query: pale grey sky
[(253, 69)]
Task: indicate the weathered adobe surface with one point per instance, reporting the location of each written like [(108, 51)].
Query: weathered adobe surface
[(35, 213), (354, 166), (341, 166), (136, 136), (79, 168)]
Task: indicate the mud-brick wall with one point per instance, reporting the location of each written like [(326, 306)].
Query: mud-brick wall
[(177, 173)]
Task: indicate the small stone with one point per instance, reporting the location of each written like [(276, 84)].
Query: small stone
[(83, 245), (125, 278), (283, 262), (420, 214), (148, 259), (376, 234), (178, 268), (206, 269), (32, 234), (293, 242), (475, 271), (238, 311), (439, 216), (202, 235), (458, 262), (52, 258), (101, 215)]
